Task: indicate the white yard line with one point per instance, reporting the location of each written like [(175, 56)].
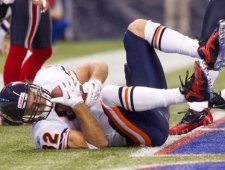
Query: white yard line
[(116, 60)]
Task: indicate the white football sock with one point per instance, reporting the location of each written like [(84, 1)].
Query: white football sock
[(150, 98), (170, 41), (141, 98)]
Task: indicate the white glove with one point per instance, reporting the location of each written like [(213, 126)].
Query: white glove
[(93, 89), (6, 1), (42, 3), (71, 94)]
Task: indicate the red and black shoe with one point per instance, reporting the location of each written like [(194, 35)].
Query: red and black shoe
[(198, 87), (217, 102), (212, 49), (192, 120)]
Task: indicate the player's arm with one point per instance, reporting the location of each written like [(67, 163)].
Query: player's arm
[(42, 3), (94, 70), (4, 36), (91, 135), (92, 76), (91, 132), (4, 29)]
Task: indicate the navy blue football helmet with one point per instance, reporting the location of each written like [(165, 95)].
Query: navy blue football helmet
[(13, 101)]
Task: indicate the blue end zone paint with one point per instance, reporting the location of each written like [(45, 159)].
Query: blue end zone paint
[(222, 125), (211, 142), (204, 165), (206, 140)]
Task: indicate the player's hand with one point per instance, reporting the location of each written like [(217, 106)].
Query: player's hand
[(92, 88), (42, 3), (71, 94), (5, 46)]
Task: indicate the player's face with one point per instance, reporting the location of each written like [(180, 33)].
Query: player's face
[(35, 103)]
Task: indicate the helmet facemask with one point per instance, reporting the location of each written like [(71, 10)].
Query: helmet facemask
[(39, 110), (14, 99)]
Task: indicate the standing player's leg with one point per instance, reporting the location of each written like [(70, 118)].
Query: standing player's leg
[(17, 51), (41, 47), (213, 14), (24, 25), (198, 113)]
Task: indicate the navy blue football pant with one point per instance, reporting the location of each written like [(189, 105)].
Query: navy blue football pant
[(143, 68), (214, 12)]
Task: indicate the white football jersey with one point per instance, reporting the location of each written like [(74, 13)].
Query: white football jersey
[(53, 132)]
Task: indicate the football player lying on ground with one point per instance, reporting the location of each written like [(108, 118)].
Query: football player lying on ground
[(136, 115), (130, 122)]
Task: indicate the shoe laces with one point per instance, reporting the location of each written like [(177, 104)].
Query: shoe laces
[(184, 119), (191, 116), (187, 85)]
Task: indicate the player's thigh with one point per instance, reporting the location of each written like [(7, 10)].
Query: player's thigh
[(148, 128), (19, 22), (43, 35), (143, 67)]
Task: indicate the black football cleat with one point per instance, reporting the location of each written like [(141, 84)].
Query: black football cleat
[(191, 121), (217, 102)]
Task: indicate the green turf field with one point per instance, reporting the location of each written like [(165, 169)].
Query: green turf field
[(63, 50), (17, 150)]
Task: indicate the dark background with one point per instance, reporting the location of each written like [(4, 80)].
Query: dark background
[(108, 19)]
